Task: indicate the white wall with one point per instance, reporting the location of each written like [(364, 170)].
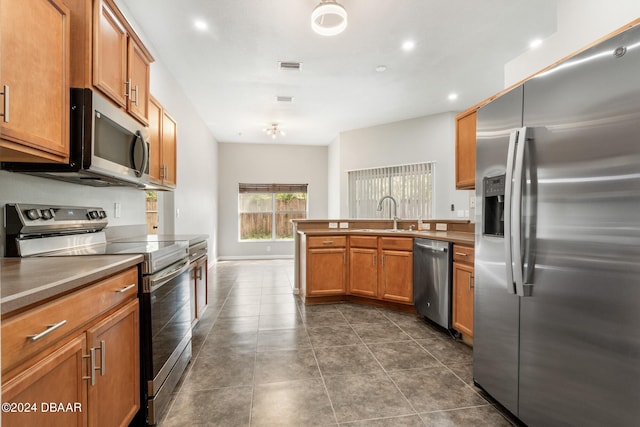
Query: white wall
[(192, 208), (266, 163), (580, 23), (333, 180), (423, 139)]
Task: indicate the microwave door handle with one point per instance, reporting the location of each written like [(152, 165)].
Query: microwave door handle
[(137, 138)]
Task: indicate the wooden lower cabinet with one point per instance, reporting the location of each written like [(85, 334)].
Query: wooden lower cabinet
[(199, 292), (326, 266), (463, 289), (115, 396), (89, 375), (326, 271), (381, 268), (58, 378), (397, 276), (363, 272), (202, 280)]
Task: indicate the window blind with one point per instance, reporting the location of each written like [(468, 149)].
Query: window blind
[(272, 188), (411, 185)]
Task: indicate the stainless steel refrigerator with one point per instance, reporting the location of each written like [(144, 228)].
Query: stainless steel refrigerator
[(557, 267)]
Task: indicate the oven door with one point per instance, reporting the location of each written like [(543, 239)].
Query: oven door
[(166, 334)]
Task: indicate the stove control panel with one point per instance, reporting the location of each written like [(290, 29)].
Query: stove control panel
[(23, 219)]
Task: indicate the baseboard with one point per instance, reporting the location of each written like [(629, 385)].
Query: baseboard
[(253, 257)]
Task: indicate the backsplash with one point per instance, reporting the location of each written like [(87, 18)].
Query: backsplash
[(20, 188)]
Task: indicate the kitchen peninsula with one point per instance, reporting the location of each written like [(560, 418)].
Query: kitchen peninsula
[(367, 261)]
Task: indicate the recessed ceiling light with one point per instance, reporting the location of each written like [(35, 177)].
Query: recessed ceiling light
[(453, 96), (381, 68), (535, 43), (200, 24), (408, 45)]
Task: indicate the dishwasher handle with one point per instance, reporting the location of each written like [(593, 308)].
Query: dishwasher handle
[(435, 249)]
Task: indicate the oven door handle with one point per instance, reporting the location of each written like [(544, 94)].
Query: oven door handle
[(157, 282)]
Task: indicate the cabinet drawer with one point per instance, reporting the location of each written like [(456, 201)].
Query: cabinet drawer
[(463, 254), (397, 243), (363, 242), (25, 334), (327, 242)]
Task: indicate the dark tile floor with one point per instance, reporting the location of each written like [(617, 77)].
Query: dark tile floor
[(262, 358)]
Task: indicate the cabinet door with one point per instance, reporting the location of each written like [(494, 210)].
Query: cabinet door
[(57, 378), (463, 298), (139, 81), (397, 276), (155, 140), (363, 272), (202, 279), (169, 165), (115, 397), (326, 269), (110, 54), (34, 77), (466, 151)]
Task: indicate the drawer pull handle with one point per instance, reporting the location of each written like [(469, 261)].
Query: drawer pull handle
[(461, 254), (92, 369), (126, 288), (50, 328), (328, 242)]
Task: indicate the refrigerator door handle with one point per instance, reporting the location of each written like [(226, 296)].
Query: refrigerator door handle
[(508, 212), (516, 216)]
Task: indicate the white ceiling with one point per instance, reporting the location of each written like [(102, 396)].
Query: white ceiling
[(230, 71)]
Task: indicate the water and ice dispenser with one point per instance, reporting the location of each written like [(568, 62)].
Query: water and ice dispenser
[(493, 215)]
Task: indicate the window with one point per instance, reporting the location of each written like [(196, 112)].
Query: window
[(265, 210), (411, 186)]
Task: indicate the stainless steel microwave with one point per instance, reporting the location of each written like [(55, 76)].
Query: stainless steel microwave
[(108, 147)]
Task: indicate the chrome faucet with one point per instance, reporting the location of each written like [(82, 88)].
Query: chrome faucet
[(395, 210)]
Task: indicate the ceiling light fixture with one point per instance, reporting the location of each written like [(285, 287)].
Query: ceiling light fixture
[(329, 18), (535, 43), (274, 130), (408, 45), (453, 96), (200, 25), (381, 68)]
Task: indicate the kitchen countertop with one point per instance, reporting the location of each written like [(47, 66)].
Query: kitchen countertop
[(191, 239), (26, 281), (459, 237)]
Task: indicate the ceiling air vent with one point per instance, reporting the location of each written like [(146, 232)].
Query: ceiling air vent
[(290, 66), (284, 98)]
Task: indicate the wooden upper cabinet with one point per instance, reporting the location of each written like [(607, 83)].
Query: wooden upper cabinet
[(139, 67), (155, 139), (34, 81), (466, 150), (121, 63), (162, 145), (169, 167), (110, 54)]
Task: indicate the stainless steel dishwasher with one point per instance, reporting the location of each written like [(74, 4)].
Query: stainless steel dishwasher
[(432, 280)]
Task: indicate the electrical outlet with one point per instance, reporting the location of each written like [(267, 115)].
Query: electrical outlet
[(268, 248), (344, 225), (441, 226), (117, 210), (333, 225), (472, 201), (426, 226), (460, 213)]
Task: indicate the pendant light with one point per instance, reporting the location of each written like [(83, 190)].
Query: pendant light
[(329, 18)]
